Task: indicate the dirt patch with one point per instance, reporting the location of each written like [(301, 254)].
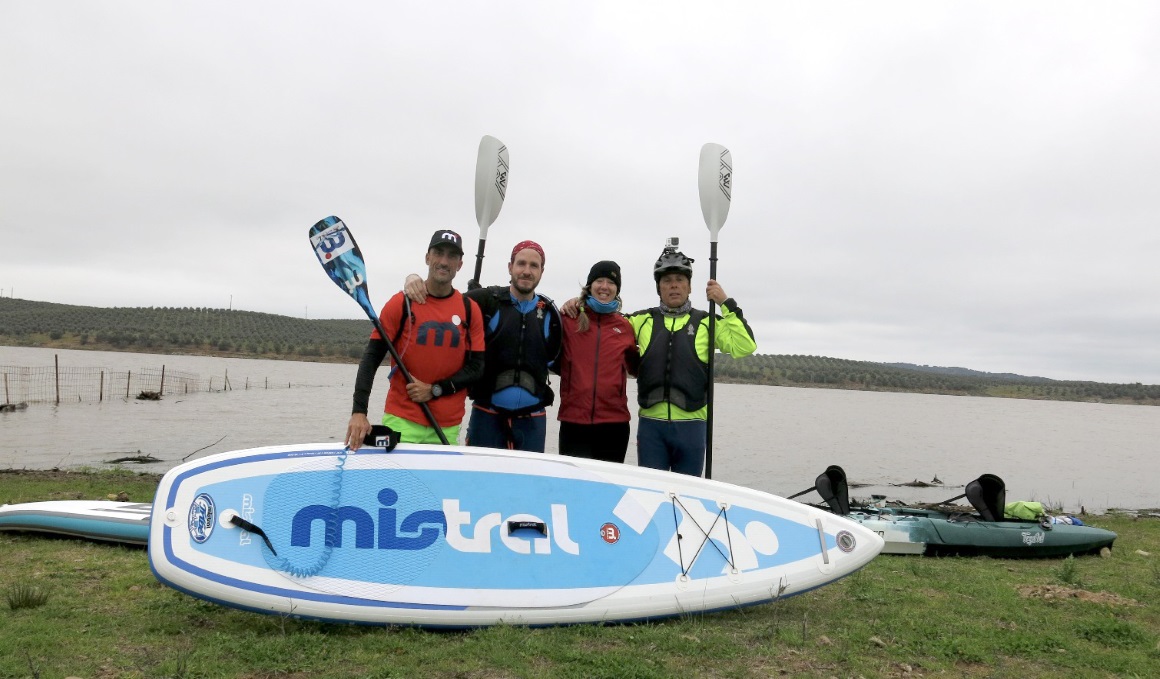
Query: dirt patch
[(1060, 592)]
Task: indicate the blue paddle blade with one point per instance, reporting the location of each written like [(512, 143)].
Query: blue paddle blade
[(343, 261), (339, 255)]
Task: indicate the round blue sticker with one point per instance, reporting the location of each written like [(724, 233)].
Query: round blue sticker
[(201, 518)]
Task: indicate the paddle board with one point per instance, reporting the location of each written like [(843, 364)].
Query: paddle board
[(453, 536), (124, 522)]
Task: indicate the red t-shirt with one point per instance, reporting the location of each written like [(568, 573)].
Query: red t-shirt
[(433, 345)]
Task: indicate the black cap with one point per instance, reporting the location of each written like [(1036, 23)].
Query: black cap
[(447, 237), (605, 269)]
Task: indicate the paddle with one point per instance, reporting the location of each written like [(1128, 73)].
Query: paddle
[(340, 256), (715, 185), (801, 492), (491, 174)]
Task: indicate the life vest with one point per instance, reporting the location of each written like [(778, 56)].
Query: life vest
[(670, 369), (517, 352)]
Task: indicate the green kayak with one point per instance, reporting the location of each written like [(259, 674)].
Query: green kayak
[(985, 531)]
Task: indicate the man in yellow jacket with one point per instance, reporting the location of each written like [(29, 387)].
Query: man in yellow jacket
[(672, 383)]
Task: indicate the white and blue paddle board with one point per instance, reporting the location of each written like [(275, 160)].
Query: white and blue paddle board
[(452, 536), (124, 522)]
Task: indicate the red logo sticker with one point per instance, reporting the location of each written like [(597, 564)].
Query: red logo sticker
[(610, 533)]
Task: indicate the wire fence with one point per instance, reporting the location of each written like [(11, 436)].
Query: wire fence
[(55, 384)]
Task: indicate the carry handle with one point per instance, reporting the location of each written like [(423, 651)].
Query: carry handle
[(538, 526)]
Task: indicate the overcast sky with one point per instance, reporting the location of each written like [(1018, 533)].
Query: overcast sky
[(970, 184)]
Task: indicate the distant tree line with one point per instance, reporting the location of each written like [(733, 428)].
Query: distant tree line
[(180, 330), (198, 330), (820, 371)]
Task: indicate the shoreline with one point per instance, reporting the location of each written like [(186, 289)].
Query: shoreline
[(57, 474)]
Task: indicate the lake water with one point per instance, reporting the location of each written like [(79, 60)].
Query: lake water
[(775, 439)]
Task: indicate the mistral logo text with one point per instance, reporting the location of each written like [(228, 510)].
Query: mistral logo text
[(420, 529)]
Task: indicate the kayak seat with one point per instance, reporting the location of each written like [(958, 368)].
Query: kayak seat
[(831, 485), (988, 495)]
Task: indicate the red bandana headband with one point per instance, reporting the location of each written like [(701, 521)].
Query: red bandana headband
[(529, 245)]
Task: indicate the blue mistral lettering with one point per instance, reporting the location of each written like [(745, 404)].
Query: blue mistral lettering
[(418, 530), (438, 330)]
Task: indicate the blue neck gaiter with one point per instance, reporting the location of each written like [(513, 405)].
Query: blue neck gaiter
[(602, 307)]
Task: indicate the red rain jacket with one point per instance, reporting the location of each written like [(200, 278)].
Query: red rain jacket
[(594, 369)]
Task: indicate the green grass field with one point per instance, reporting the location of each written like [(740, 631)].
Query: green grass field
[(104, 615)]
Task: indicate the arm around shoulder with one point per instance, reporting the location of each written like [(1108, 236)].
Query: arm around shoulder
[(486, 298)]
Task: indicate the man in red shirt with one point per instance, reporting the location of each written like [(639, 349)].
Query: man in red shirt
[(441, 343)]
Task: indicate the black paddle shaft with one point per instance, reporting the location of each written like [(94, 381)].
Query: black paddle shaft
[(712, 350), (478, 262)]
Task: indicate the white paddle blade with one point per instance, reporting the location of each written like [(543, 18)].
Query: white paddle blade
[(491, 175), (715, 183)]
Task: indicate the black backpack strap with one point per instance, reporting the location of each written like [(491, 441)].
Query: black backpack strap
[(407, 315), (467, 317)]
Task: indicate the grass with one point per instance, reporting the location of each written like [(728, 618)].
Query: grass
[(901, 616), (25, 596)]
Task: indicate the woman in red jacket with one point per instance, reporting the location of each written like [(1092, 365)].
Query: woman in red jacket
[(599, 353)]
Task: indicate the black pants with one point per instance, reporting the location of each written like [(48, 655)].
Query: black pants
[(608, 442)]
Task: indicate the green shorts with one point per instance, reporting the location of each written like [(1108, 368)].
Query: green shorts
[(413, 432)]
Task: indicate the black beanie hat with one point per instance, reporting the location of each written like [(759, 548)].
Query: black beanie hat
[(605, 269)]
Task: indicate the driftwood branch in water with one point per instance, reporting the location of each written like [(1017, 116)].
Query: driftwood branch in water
[(203, 448), (921, 484), (138, 459)]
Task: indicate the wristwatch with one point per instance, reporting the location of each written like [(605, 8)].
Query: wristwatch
[(436, 391)]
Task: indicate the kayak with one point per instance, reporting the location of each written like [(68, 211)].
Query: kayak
[(986, 531), (929, 531)]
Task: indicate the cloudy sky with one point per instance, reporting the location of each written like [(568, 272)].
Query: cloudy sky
[(969, 184)]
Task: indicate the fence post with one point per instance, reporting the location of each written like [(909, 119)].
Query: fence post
[(128, 378), (101, 395), (56, 373), (161, 392), (7, 398)]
